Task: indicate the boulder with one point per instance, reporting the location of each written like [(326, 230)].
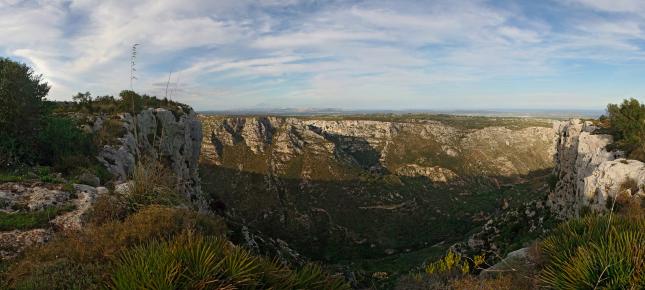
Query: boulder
[(516, 261)]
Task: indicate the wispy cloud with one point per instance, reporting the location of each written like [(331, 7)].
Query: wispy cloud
[(357, 54)]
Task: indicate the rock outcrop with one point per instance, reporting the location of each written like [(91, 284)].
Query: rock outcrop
[(157, 134), (85, 197), (12, 243), (379, 144), (588, 175), (435, 174)]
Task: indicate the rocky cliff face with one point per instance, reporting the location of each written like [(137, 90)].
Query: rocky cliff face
[(379, 145), (157, 134), (589, 175), (352, 187)]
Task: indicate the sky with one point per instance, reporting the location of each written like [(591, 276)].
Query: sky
[(350, 54)]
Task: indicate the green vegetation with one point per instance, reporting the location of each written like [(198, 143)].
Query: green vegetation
[(626, 122), (67, 146), (596, 252), (191, 261), (453, 264), (31, 220), (457, 272), (21, 109), (29, 132), (128, 101)]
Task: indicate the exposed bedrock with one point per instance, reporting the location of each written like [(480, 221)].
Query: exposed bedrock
[(158, 134), (588, 175)]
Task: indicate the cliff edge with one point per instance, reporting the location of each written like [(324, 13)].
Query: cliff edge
[(589, 176)]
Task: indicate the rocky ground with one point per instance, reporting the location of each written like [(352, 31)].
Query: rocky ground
[(34, 211)]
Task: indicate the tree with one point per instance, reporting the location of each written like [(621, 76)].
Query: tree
[(131, 102), (627, 121), (22, 93)]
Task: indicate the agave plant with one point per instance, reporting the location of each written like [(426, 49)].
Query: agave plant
[(192, 261)]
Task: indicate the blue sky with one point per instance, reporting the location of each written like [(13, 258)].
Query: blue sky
[(234, 54)]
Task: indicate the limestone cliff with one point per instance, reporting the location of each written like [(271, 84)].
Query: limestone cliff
[(589, 175), (377, 145), (173, 138)]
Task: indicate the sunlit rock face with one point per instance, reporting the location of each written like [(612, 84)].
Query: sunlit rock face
[(588, 174)]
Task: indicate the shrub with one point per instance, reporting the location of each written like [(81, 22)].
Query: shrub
[(192, 261), (109, 207), (596, 252), (29, 133), (627, 122), (130, 102), (454, 265), (21, 108), (64, 144)]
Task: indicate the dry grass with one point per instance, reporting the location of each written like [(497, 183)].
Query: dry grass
[(109, 133), (152, 183), (501, 282), (92, 251)]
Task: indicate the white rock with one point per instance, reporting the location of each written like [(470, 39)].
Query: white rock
[(588, 174)]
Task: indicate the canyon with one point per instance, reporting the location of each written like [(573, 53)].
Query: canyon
[(344, 188), (368, 187)]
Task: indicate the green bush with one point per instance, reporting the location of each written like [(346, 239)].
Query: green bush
[(21, 108), (627, 123), (596, 252), (192, 261), (29, 133), (61, 141)]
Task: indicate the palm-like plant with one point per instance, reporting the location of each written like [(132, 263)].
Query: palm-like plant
[(192, 261), (596, 252)]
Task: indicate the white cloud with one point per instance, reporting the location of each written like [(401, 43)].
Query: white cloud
[(613, 5), (242, 52)]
